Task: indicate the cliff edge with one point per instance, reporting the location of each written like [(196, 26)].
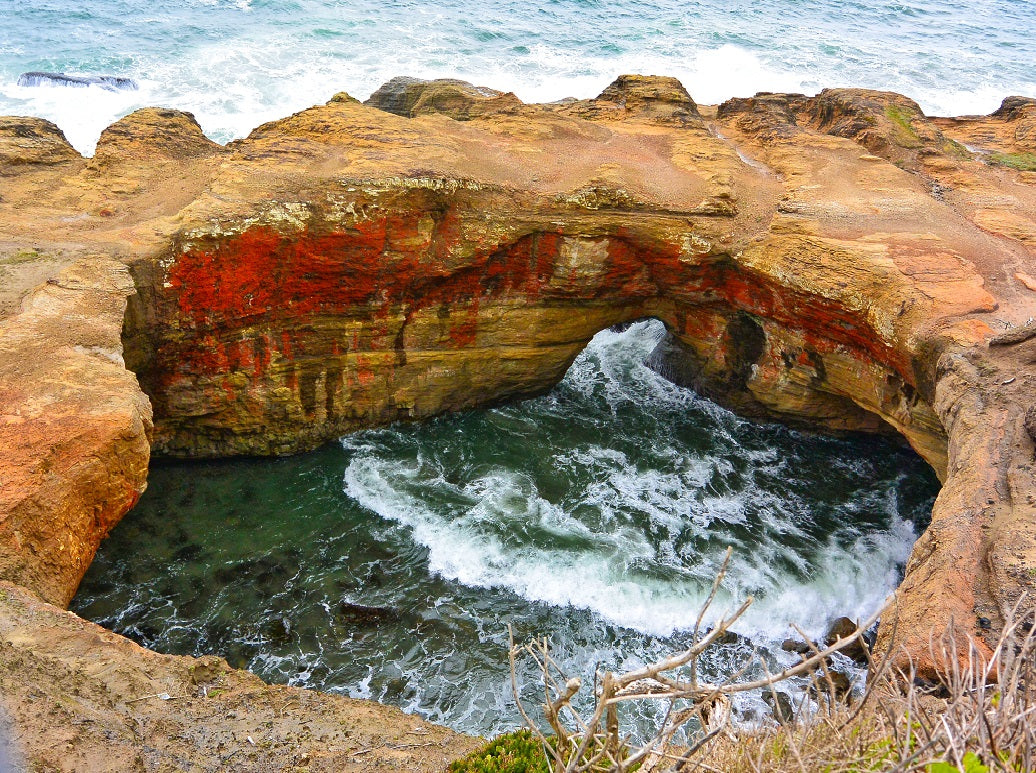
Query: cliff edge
[(839, 262)]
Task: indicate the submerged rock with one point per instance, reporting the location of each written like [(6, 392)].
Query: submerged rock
[(363, 615), (107, 82)]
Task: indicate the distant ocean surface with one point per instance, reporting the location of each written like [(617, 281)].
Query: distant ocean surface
[(237, 63)]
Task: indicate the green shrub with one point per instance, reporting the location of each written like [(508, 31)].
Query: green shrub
[(517, 752)]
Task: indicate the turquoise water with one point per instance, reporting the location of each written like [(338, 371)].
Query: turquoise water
[(390, 564), (237, 63)]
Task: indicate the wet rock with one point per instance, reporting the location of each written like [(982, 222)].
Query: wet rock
[(622, 327), (842, 628), (731, 639), (780, 705), (838, 682), (796, 646), (106, 82), (365, 616)]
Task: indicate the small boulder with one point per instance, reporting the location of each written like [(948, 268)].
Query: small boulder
[(781, 706), (842, 628), (841, 683), (459, 100), (796, 646)]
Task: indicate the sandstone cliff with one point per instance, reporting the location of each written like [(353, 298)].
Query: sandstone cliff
[(839, 261)]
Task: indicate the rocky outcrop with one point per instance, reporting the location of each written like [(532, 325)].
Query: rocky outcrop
[(29, 142), (152, 135), (1010, 130), (839, 261), (654, 98), (82, 699), (460, 100), (74, 427)]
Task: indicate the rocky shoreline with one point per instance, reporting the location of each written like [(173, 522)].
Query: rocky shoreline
[(839, 262)]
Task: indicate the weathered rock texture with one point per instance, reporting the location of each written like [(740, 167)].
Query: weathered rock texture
[(73, 428), (839, 261), (84, 699)]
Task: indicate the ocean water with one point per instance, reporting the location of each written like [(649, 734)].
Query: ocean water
[(389, 565), (237, 63)]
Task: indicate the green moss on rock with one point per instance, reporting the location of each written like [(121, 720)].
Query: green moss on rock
[(906, 134)]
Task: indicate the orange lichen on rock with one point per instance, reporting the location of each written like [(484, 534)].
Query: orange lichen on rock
[(840, 262)]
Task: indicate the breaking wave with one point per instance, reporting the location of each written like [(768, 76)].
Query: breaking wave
[(389, 566)]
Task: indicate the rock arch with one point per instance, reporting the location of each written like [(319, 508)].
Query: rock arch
[(835, 261)]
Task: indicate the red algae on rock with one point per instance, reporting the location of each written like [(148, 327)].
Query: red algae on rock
[(813, 259)]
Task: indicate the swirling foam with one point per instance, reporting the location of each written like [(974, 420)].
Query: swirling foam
[(636, 543)]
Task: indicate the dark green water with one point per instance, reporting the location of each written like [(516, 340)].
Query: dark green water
[(389, 565)]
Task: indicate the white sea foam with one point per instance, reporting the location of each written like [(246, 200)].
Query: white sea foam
[(238, 63), (619, 545)]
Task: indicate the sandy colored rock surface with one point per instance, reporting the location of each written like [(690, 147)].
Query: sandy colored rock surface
[(74, 428), (840, 262), (80, 698)]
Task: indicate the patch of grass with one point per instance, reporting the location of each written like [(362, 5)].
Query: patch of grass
[(906, 135), (956, 150), (517, 752), (1023, 162), (22, 256)]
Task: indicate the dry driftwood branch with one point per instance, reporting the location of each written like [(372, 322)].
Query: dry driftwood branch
[(594, 743)]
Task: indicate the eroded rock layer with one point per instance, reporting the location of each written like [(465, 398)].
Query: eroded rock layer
[(74, 428), (839, 262), (81, 698)]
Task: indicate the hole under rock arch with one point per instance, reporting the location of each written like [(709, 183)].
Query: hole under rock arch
[(388, 565)]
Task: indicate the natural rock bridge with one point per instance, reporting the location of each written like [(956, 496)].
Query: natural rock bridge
[(838, 262)]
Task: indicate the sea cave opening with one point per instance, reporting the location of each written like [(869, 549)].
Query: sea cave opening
[(388, 565)]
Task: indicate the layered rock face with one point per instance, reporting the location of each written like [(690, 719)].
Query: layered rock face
[(441, 276), (74, 428), (838, 262)]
